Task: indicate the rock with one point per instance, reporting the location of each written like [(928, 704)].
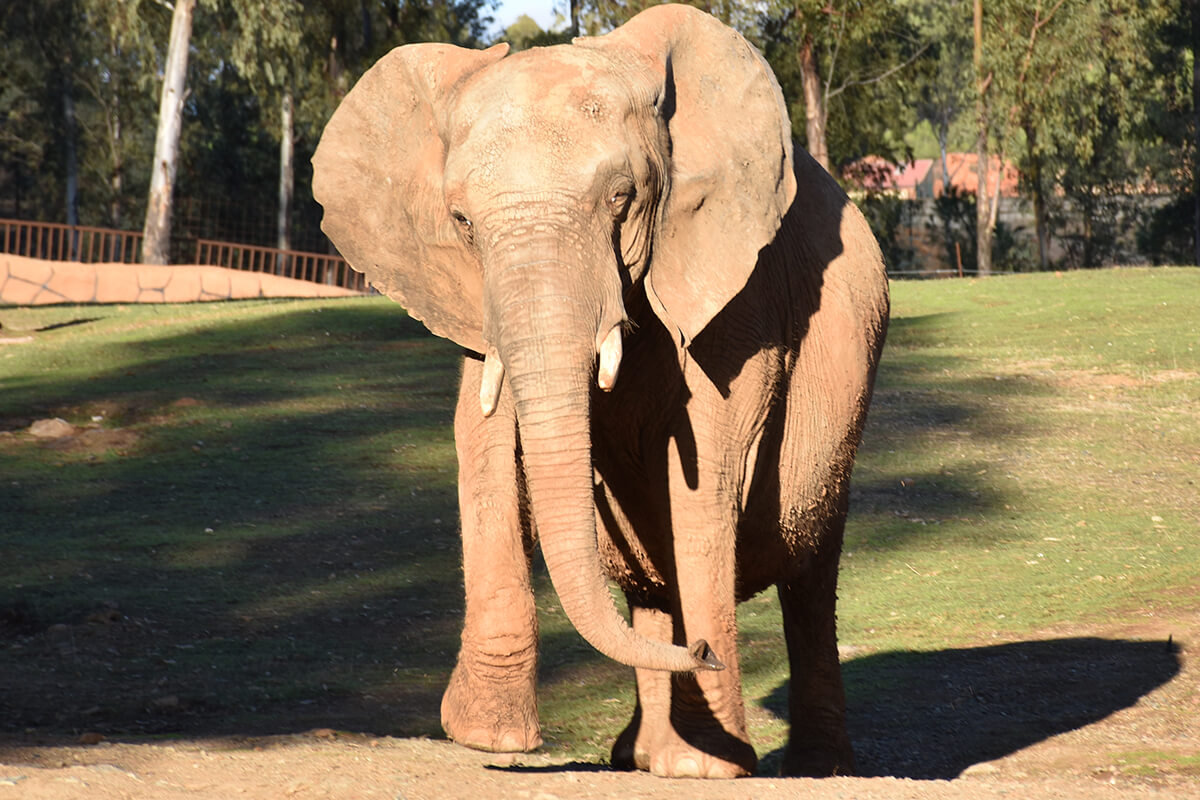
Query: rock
[(56, 428), (91, 738)]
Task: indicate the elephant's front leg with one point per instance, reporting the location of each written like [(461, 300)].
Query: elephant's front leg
[(693, 724), (491, 701)]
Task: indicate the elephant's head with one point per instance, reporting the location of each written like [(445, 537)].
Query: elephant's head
[(512, 203)]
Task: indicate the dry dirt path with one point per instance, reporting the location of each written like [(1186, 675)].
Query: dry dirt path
[(1150, 748)]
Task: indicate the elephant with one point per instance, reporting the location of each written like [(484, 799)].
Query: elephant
[(671, 319)]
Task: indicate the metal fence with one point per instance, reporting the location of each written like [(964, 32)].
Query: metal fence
[(328, 269), (52, 241)]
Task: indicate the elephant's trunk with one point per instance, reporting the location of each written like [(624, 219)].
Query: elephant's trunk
[(548, 341)]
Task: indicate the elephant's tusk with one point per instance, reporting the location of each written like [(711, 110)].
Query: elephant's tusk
[(610, 359), (490, 383)]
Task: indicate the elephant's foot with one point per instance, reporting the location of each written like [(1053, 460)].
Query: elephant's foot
[(499, 716), (714, 754), (835, 758)]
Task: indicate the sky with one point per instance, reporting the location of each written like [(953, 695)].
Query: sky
[(542, 12)]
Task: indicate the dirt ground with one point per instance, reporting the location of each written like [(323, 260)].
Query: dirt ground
[(1108, 711)]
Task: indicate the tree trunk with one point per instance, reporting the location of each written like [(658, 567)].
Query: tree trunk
[(117, 180), (574, 11), (1196, 130), (983, 215), (157, 232), (70, 135), (287, 172), (1040, 221), (1089, 246), (943, 137), (814, 105)]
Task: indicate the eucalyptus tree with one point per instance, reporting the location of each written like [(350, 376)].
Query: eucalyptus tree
[(24, 99), (267, 51), (156, 239), (942, 89), (43, 56), (119, 85), (1058, 81), (844, 65), (1168, 135)]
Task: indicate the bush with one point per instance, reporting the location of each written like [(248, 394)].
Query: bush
[(1165, 236), (889, 216)]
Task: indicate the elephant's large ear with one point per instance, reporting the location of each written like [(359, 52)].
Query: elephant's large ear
[(731, 177), (378, 173)]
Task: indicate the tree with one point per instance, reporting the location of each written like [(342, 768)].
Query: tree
[(1061, 84), (525, 33), (1164, 142), (1005, 84), (265, 50), (156, 240), (116, 142), (941, 80), (1194, 47), (847, 53), (42, 58)]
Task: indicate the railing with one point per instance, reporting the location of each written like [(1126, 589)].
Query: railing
[(54, 241), (328, 269)]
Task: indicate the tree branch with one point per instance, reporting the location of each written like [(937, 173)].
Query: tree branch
[(883, 75)]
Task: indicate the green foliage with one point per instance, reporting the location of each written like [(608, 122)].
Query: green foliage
[(889, 215), (940, 82), (1093, 100), (862, 49), (1068, 91), (526, 33), (109, 52), (1165, 234), (954, 218)]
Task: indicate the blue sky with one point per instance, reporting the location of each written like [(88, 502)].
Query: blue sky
[(542, 11)]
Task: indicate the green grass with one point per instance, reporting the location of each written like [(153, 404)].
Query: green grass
[(265, 491), (1032, 456), (1156, 763)]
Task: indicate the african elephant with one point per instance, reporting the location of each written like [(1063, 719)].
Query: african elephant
[(670, 353)]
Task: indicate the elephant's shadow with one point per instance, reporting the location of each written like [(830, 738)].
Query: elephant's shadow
[(930, 715)]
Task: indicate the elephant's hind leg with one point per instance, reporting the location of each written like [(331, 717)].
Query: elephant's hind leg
[(491, 701), (818, 745)]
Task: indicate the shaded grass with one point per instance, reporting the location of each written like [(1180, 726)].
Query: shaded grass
[(273, 521), (267, 500)]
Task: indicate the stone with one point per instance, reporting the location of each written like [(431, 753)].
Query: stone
[(56, 428)]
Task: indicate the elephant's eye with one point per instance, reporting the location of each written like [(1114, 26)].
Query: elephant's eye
[(464, 225), (619, 200)]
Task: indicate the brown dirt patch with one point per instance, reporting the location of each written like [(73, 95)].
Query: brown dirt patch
[(1041, 738), (95, 441)]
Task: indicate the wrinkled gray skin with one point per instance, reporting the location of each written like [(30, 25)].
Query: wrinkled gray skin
[(675, 326)]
